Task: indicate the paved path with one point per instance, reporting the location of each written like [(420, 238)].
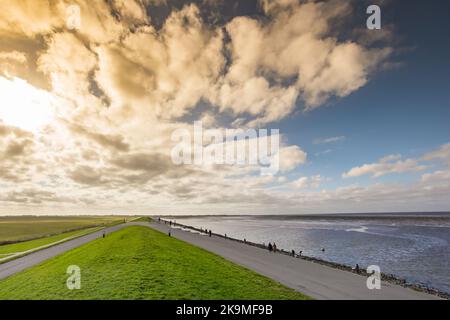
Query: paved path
[(315, 280)]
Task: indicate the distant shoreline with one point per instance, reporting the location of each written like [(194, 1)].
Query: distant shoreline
[(418, 214), (387, 215), (390, 278)]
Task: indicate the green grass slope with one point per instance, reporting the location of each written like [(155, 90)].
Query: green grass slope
[(141, 263)]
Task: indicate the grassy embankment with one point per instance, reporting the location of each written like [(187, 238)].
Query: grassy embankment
[(141, 263)]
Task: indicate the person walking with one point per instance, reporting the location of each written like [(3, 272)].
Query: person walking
[(274, 247), (270, 247)]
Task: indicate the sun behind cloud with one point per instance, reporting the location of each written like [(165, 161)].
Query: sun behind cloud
[(24, 106)]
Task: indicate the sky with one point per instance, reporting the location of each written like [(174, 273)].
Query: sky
[(91, 93)]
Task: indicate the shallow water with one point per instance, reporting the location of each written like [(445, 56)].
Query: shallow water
[(414, 248)]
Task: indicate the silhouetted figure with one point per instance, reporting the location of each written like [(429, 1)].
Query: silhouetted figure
[(293, 253), (300, 253), (210, 233), (245, 240), (170, 234), (104, 235), (270, 247), (274, 247), (357, 268)]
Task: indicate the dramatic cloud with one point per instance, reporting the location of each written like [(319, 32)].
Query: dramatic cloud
[(292, 57), (253, 67), (92, 105), (168, 75)]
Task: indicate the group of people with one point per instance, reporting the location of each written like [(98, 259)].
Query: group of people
[(272, 247), (208, 232), (170, 221)]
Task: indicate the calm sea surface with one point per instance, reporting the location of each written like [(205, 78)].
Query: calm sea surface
[(412, 247)]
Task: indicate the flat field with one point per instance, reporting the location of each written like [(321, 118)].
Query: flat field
[(19, 247), (23, 228)]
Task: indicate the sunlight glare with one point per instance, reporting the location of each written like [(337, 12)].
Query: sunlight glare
[(23, 105)]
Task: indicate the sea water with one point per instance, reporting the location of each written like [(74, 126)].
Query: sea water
[(414, 247)]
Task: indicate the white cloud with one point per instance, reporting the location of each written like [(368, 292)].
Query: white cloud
[(443, 153), (291, 157), (304, 182), (383, 167), (394, 164), (300, 183), (329, 140), (316, 181), (436, 176)]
